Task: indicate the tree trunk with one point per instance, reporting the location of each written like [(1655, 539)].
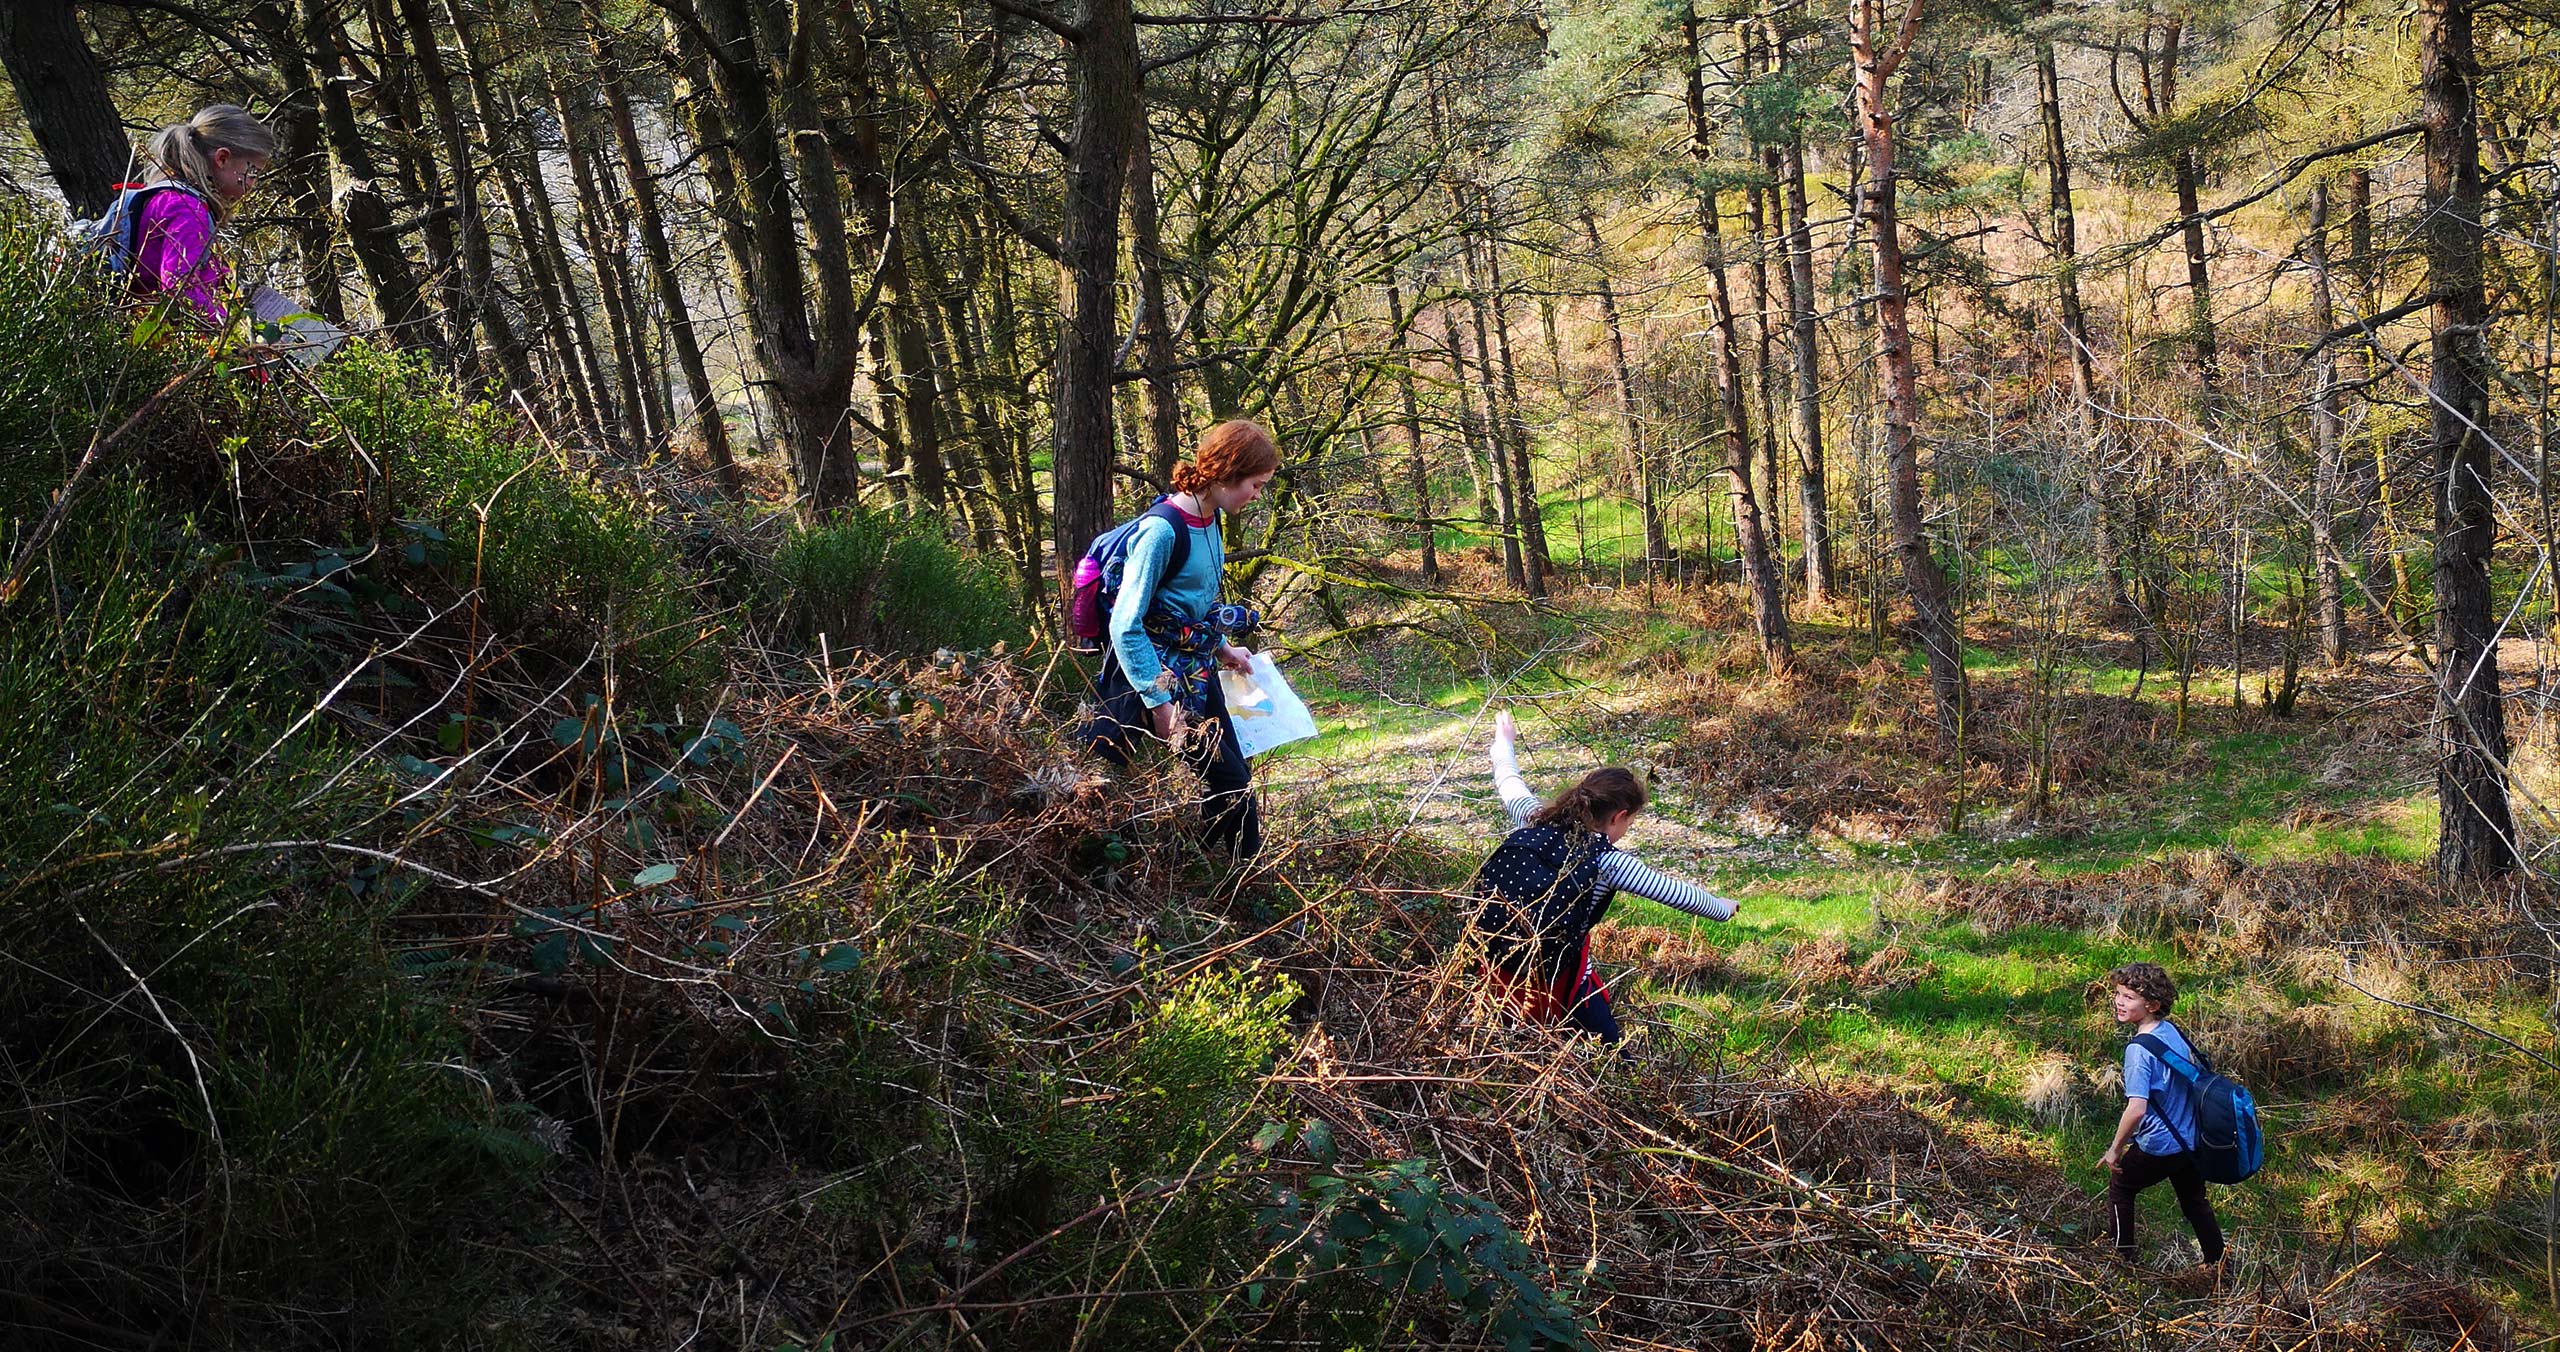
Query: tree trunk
[(1534, 559), (1103, 76), (1933, 619), (1496, 444), (536, 257), (1813, 504), (1420, 470), (302, 163), (976, 449), (2187, 174), (1751, 540), (1155, 326), (1488, 510), (644, 414), (702, 400), (2383, 545), (63, 95), (2477, 836), (2327, 450), (1755, 215), (1657, 547), (423, 182), (553, 246), (2065, 224), (479, 263), (370, 232)]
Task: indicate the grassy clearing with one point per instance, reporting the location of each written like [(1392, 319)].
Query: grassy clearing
[(1956, 971)]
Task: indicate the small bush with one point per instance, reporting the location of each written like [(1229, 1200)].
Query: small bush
[(73, 371), (892, 584), (562, 558), (250, 1122), (1198, 1057)]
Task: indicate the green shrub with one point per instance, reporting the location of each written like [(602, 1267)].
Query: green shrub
[(250, 1124), (894, 584), (561, 558), (73, 368), (1397, 1229), (1197, 1059)]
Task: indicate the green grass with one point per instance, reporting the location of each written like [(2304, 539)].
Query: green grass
[(1991, 1010), (2420, 1138)]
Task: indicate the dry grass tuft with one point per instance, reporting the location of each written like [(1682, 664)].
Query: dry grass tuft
[(2054, 1090)]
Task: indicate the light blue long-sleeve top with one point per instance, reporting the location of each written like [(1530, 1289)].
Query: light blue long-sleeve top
[(1189, 593)]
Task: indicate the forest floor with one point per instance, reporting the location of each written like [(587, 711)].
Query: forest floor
[(2278, 866)]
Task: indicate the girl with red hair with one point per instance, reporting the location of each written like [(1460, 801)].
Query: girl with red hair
[(1157, 675)]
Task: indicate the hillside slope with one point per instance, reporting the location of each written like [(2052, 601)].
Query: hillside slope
[(455, 902)]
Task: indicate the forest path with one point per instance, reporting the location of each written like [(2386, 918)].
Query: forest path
[(1384, 764)]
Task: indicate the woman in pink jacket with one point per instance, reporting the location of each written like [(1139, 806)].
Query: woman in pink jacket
[(205, 165)]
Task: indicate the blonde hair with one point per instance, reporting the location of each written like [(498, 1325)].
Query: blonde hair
[(183, 151)]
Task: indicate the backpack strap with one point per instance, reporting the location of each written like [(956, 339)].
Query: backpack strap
[(2152, 1043), (2181, 1066), (1164, 510), (133, 200)]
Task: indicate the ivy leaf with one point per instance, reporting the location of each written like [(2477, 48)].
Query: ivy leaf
[(551, 956), (654, 875), (1272, 1134), (841, 958)]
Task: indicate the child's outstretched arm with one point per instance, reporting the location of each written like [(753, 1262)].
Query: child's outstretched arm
[(1631, 875), (1507, 783)]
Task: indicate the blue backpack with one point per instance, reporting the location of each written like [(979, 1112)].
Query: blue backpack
[(1097, 576), (2228, 1146), (116, 237)]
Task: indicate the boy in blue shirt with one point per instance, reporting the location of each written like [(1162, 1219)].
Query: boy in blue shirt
[(2154, 1138)]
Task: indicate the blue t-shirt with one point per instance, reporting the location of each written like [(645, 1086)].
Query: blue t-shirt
[(1143, 583), (2169, 1128)]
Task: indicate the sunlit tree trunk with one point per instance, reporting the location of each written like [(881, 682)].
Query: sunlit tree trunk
[(2327, 448), (1497, 441), (1657, 547), (1534, 559), (1751, 540), (2476, 838), (2064, 222), (1419, 472), (1934, 619)]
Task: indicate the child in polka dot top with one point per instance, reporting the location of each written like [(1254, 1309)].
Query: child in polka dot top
[(1554, 877)]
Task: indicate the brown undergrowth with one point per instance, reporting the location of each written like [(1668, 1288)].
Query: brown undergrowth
[(1845, 745), (989, 1073)]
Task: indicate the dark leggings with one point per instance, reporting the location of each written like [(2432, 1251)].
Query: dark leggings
[(1231, 821), (2136, 1171)]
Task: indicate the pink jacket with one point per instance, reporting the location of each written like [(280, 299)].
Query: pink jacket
[(174, 252)]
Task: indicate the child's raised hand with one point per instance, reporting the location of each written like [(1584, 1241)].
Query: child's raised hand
[(1504, 729)]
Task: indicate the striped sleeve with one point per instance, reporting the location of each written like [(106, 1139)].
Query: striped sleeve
[(1510, 787), (1631, 875)]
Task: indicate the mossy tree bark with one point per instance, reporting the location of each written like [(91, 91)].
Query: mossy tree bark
[(2477, 836)]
